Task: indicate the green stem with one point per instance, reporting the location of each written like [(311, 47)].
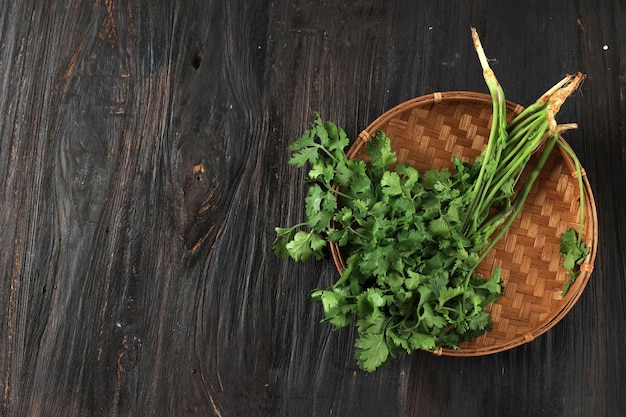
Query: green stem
[(330, 155), (547, 96), (339, 193), (495, 135), (344, 276), (536, 107), (529, 142), (516, 127), (497, 102), (521, 198), (508, 169), (581, 187), (537, 125), (353, 230)]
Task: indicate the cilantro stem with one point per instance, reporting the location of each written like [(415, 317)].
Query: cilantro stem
[(353, 230), (495, 144), (344, 276), (581, 187), (526, 115), (491, 157), (523, 133), (521, 198), (542, 102), (512, 168), (327, 152), (336, 191)]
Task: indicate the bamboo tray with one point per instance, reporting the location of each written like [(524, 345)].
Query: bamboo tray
[(426, 132)]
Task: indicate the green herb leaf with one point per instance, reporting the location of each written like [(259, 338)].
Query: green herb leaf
[(390, 184), (304, 245), (372, 350), (574, 251), (283, 236)]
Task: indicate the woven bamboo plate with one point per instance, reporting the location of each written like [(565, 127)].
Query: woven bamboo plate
[(426, 132)]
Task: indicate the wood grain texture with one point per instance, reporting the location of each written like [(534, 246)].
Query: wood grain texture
[(143, 168)]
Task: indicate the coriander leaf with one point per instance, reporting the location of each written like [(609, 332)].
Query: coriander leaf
[(307, 140), (415, 280), (340, 236), (390, 184), (378, 212), (334, 137), (452, 215), (397, 341), (404, 208), (320, 207), (305, 245), (431, 206), (358, 167), (480, 322), (377, 260), (390, 280), (369, 302), (307, 150), (421, 341), (344, 216), (343, 317), (410, 173), (433, 176), (410, 240), (336, 311), (382, 156), (446, 294), (329, 300), (432, 320), (361, 187), (322, 132), (439, 227), (343, 174), (371, 351), (283, 236), (493, 285), (425, 295), (375, 297), (574, 252), (322, 172), (360, 208), (299, 159), (317, 243)]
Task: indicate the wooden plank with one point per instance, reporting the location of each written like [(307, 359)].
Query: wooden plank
[(143, 167)]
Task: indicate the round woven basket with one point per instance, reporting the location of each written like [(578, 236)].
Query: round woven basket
[(426, 132)]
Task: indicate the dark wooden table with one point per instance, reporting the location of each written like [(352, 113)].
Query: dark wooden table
[(143, 150)]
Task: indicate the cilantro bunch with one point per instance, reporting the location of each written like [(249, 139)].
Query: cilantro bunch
[(413, 240), (409, 275)]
